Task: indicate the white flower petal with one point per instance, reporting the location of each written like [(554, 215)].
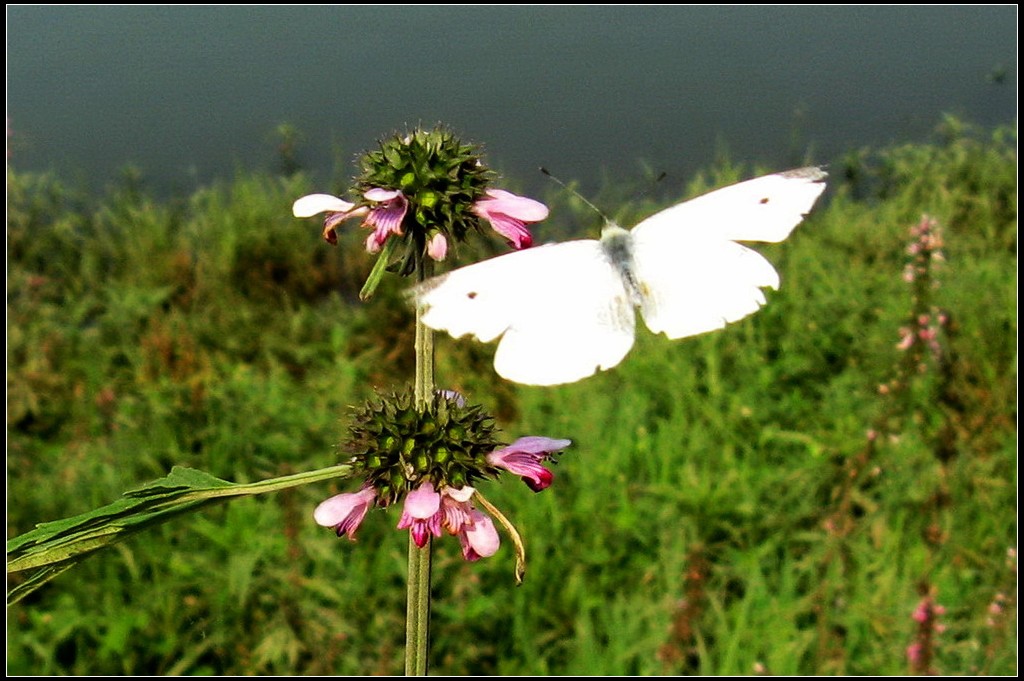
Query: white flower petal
[(378, 194), (311, 204), (462, 495)]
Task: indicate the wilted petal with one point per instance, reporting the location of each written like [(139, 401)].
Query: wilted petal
[(313, 204), (345, 512), (478, 537)]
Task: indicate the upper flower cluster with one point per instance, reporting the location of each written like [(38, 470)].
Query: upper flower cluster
[(424, 189)]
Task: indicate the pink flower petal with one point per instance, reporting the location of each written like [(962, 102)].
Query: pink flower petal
[(514, 230), (524, 456), (479, 538), (519, 207), (508, 215), (345, 512), (386, 218), (437, 247), (535, 444), (423, 501)]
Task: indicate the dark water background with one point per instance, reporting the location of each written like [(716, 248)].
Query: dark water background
[(189, 94)]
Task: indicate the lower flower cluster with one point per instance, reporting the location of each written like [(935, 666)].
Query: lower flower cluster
[(426, 458)]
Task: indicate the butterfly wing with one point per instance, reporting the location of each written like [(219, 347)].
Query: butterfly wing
[(693, 276), (762, 209), (561, 311)]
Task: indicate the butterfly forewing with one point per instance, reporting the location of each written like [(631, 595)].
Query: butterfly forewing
[(763, 209), (561, 311)]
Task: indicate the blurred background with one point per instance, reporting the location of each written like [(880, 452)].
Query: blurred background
[(187, 94)]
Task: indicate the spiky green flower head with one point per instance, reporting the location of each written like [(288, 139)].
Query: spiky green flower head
[(440, 176), (397, 448), (419, 192)]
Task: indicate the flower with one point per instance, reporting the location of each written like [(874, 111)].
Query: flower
[(523, 458), (386, 218), (509, 214), (344, 512), (421, 514), (437, 247), (429, 457), (430, 190), (478, 537), (427, 512)]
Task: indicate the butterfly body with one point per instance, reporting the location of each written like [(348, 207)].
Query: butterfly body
[(564, 311), (617, 245)]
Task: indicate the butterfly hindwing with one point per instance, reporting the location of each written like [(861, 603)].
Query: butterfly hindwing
[(713, 283), (693, 275)]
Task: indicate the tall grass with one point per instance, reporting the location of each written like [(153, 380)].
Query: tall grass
[(723, 510)]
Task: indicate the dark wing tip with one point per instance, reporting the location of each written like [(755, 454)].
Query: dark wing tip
[(811, 173)]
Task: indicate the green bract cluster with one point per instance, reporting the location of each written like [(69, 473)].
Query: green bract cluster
[(397, 448), (440, 176)]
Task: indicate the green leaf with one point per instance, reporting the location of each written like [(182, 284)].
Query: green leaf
[(379, 267), (53, 547)]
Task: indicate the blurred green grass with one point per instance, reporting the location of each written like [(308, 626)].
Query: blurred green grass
[(721, 511)]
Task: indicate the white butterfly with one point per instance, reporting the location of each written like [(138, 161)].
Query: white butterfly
[(565, 310)]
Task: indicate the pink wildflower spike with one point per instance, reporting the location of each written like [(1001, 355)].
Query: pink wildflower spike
[(524, 456), (420, 514), (338, 210), (344, 512), (386, 218), (906, 338), (509, 214), (478, 537)]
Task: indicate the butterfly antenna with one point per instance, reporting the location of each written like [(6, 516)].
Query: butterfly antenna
[(575, 193), (646, 191)]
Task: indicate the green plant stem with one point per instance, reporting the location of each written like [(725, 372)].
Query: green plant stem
[(417, 626)]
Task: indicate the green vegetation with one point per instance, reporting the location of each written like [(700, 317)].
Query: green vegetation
[(722, 511)]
